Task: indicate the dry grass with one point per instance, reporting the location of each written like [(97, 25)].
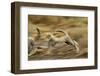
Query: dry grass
[(76, 28)]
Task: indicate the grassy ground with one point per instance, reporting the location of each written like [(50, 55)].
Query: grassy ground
[(75, 26)]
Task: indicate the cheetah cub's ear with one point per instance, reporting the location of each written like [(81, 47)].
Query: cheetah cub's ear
[(49, 35)]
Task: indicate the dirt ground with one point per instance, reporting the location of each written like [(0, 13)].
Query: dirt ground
[(77, 28)]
